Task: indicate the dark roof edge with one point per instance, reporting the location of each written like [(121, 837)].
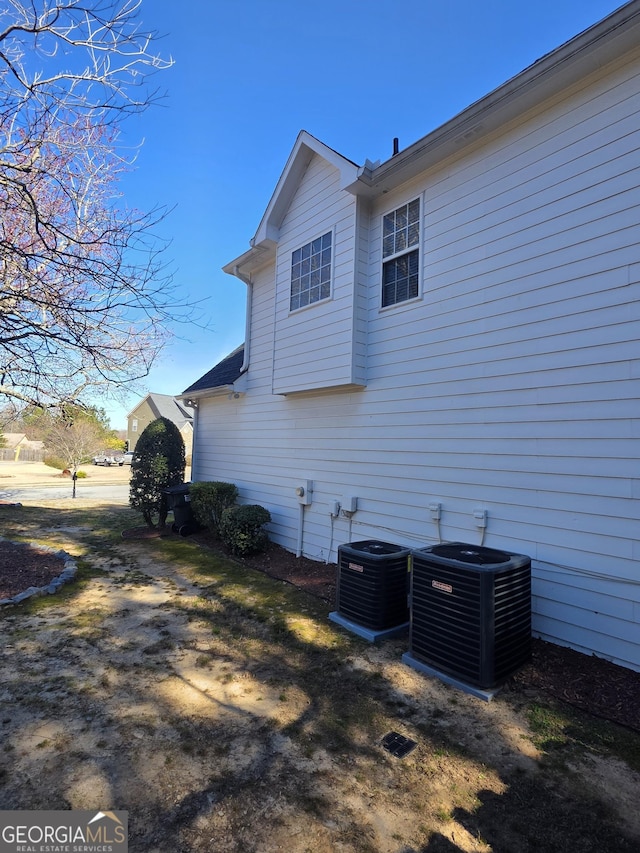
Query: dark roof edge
[(219, 379)]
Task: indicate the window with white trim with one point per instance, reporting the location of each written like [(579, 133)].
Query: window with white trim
[(401, 253), (311, 272), (134, 425)]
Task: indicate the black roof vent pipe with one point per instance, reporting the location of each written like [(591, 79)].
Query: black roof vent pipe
[(396, 146)]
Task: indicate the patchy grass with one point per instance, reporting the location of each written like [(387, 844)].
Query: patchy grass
[(560, 732)]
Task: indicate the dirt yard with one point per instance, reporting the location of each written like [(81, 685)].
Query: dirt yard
[(222, 709)]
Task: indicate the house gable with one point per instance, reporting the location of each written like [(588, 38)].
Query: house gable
[(318, 343), (306, 148)]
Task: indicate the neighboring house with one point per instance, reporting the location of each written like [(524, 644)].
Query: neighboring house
[(155, 406), (18, 446), (458, 326)]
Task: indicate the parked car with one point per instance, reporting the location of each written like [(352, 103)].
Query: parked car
[(107, 459), (127, 458)]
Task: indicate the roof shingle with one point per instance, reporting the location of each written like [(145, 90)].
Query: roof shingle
[(224, 373)]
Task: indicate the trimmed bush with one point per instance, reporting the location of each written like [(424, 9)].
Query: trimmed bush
[(158, 463), (242, 528), (55, 462), (209, 500)]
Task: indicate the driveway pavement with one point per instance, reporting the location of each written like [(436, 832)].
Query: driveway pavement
[(20, 475), (34, 494), (33, 482)]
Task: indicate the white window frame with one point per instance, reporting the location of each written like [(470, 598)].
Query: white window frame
[(134, 425), (406, 241), (298, 277)]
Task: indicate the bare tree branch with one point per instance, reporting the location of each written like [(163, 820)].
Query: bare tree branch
[(86, 297)]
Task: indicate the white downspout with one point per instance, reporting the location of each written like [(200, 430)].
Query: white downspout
[(247, 329)]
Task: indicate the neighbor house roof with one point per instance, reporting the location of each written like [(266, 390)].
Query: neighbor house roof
[(13, 439), (166, 406), (221, 377)]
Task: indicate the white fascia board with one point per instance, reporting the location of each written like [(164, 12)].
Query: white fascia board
[(252, 260), (218, 391), (239, 387), (557, 70)]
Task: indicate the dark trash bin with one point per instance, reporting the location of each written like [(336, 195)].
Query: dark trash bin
[(179, 502)]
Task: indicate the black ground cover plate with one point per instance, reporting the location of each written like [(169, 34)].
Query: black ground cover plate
[(398, 744)]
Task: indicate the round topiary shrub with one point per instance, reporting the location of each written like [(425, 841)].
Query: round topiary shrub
[(158, 463), (242, 528)]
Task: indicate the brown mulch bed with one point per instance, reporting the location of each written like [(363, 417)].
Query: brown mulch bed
[(585, 682), (319, 579), (23, 566)]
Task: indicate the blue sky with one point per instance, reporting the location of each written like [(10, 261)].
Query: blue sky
[(250, 74)]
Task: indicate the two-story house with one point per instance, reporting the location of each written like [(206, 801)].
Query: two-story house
[(454, 332)]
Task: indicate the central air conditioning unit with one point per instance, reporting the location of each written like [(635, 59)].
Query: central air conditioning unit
[(470, 612), (373, 587)]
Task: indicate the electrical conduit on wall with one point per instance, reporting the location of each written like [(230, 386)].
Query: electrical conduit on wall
[(300, 529)]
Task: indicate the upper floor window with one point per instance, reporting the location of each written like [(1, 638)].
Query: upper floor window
[(311, 272), (134, 425), (401, 253)]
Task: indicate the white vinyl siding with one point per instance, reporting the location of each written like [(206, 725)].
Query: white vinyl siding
[(511, 386)]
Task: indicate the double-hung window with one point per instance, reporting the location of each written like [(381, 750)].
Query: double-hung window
[(401, 253), (311, 272)]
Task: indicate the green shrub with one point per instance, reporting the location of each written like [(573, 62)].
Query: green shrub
[(80, 475), (158, 463), (242, 528), (55, 462), (209, 500)]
